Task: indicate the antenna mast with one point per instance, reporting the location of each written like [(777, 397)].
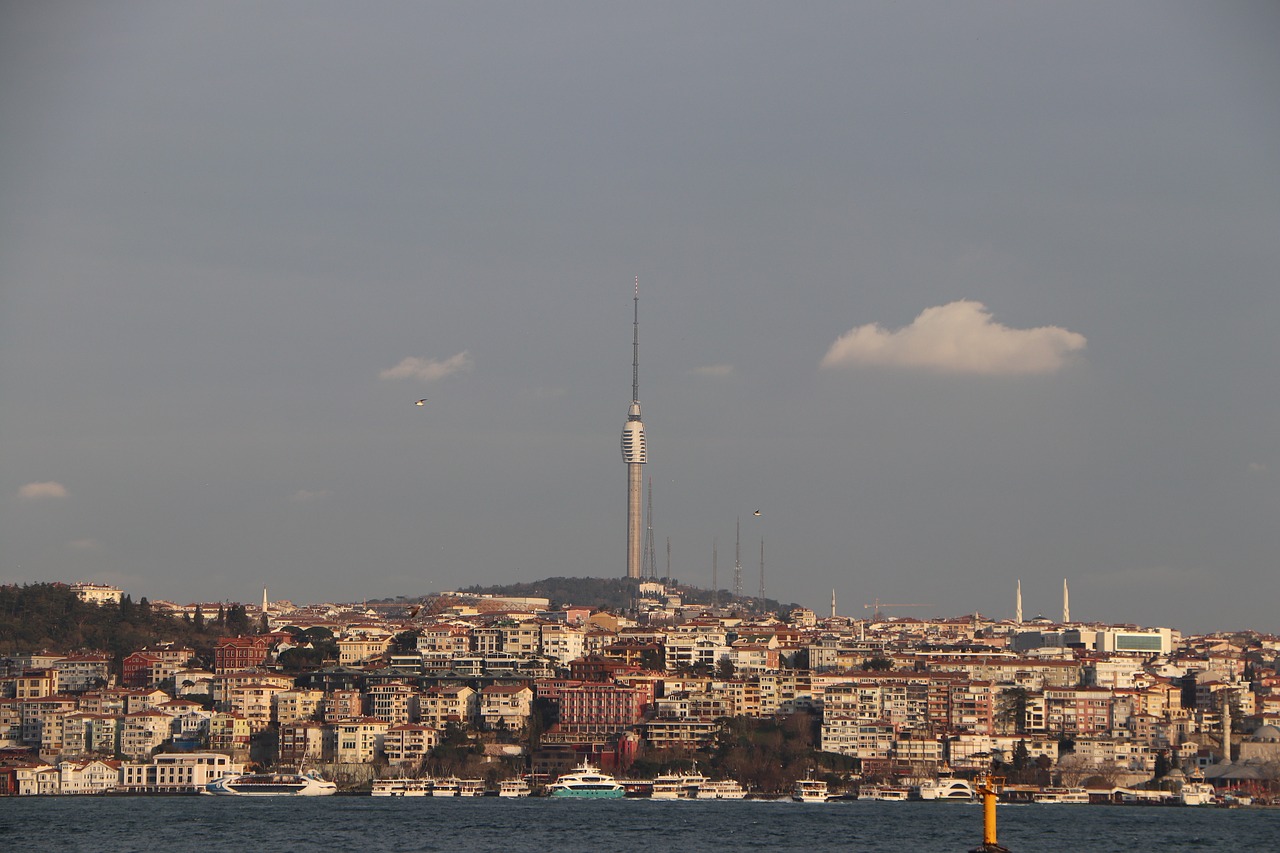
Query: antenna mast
[(761, 571), (737, 559), (635, 347)]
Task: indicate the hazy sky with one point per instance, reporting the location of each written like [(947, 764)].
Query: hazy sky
[(955, 294)]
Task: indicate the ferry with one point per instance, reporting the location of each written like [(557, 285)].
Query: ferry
[(401, 787), (950, 790), (470, 787), (1062, 796), (1197, 794), (677, 786), (512, 788), (446, 787), (886, 793), (720, 789), (810, 791), (586, 782), (270, 785)]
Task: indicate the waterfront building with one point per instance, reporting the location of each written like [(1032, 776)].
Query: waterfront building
[(88, 776), (176, 773), (359, 740), (409, 743)]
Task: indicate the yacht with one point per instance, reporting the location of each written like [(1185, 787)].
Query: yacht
[(586, 782), (270, 785), (810, 790), (401, 788), (953, 790), (677, 786), (720, 789)]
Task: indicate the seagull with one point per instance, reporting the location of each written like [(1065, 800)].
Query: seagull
[(757, 512), (421, 402)]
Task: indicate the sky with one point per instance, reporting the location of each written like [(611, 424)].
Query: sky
[(955, 295)]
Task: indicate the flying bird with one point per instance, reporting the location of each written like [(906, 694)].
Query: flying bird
[(757, 512), (421, 402)]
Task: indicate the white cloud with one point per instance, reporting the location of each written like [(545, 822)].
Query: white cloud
[(305, 495), (427, 369), (714, 370), (959, 337), (41, 491)]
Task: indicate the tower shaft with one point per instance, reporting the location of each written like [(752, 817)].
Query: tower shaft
[(634, 453)]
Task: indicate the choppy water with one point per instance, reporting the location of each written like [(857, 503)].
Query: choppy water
[(336, 824)]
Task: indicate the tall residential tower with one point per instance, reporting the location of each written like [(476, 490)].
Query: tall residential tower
[(634, 453)]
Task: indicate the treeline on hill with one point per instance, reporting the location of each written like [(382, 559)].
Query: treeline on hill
[(49, 617), (617, 594)]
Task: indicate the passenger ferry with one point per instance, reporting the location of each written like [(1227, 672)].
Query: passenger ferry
[(886, 793), (446, 787), (720, 789), (810, 790), (470, 787), (401, 788), (586, 782), (512, 788), (270, 785), (1063, 796), (677, 786)]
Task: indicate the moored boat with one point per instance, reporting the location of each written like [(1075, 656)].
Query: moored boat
[(401, 788), (950, 790), (586, 782), (470, 787), (885, 793), (270, 785), (446, 787), (513, 788), (1061, 796), (677, 786)]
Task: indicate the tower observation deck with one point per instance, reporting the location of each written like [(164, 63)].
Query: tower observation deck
[(634, 452)]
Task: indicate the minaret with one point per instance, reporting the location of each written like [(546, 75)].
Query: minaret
[(1066, 604), (1226, 726), (833, 604), (264, 599), (1017, 613), (633, 452)]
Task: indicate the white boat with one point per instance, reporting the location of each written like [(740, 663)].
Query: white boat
[(952, 790), (270, 785), (720, 789), (513, 788), (446, 787), (886, 793), (677, 786), (1196, 794), (586, 782), (810, 790), (470, 787), (401, 787), (1061, 796)]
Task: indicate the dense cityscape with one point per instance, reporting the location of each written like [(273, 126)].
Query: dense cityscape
[(496, 691)]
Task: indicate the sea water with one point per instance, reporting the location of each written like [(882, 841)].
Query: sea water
[(544, 825)]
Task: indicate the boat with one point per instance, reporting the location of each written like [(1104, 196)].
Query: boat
[(1196, 794), (586, 782), (1061, 796), (951, 790), (810, 790), (886, 793), (513, 788), (270, 785), (446, 787), (677, 786), (720, 789), (401, 788), (470, 787)]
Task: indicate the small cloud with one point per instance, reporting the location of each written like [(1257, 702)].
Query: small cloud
[(84, 545), (959, 337), (713, 370), (42, 491), (305, 495), (427, 369)]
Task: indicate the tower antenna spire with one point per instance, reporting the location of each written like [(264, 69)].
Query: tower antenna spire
[(635, 347), (634, 453)]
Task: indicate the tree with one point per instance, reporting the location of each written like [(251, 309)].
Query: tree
[(877, 664), (1011, 710)]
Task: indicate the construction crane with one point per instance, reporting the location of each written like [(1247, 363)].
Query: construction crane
[(875, 608)]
